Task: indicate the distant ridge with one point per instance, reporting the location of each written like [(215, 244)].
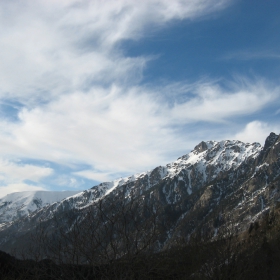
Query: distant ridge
[(20, 204)]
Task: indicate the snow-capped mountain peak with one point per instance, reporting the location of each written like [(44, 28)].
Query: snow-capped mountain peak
[(19, 204), (205, 162)]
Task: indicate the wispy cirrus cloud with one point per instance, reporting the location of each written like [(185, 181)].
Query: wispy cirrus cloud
[(214, 103), (57, 47), (252, 55), (120, 130)]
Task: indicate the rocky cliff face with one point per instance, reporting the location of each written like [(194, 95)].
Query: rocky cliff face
[(217, 184)]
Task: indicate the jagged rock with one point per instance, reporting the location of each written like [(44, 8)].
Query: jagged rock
[(201, 147)]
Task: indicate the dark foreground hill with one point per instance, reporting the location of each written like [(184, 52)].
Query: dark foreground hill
[(254, 254)]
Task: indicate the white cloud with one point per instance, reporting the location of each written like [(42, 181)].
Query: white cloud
[(110, 130), (257, 131), (215, 104), (18, 187), (97, 176), (123, 130), (66, 181), (55, 47), (13, 175), (19, 172)]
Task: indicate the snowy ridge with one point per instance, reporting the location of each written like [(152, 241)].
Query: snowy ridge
[(222, 155), (83, 199), (20, 204)]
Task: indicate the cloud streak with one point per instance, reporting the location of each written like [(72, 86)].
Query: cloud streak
[(252, 55), (122, 130), (213, 103)]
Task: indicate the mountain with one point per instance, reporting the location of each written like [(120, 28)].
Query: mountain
[(216, 187), (20, 204)]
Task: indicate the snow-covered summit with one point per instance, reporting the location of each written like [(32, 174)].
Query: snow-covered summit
[(222, 156), (19, 204)]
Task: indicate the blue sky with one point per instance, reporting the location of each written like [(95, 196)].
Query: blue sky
[(94, 90)]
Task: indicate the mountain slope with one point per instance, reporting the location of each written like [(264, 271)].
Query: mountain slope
[(206, 162), (216, 185)]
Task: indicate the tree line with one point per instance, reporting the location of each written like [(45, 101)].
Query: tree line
[(124, 238)]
